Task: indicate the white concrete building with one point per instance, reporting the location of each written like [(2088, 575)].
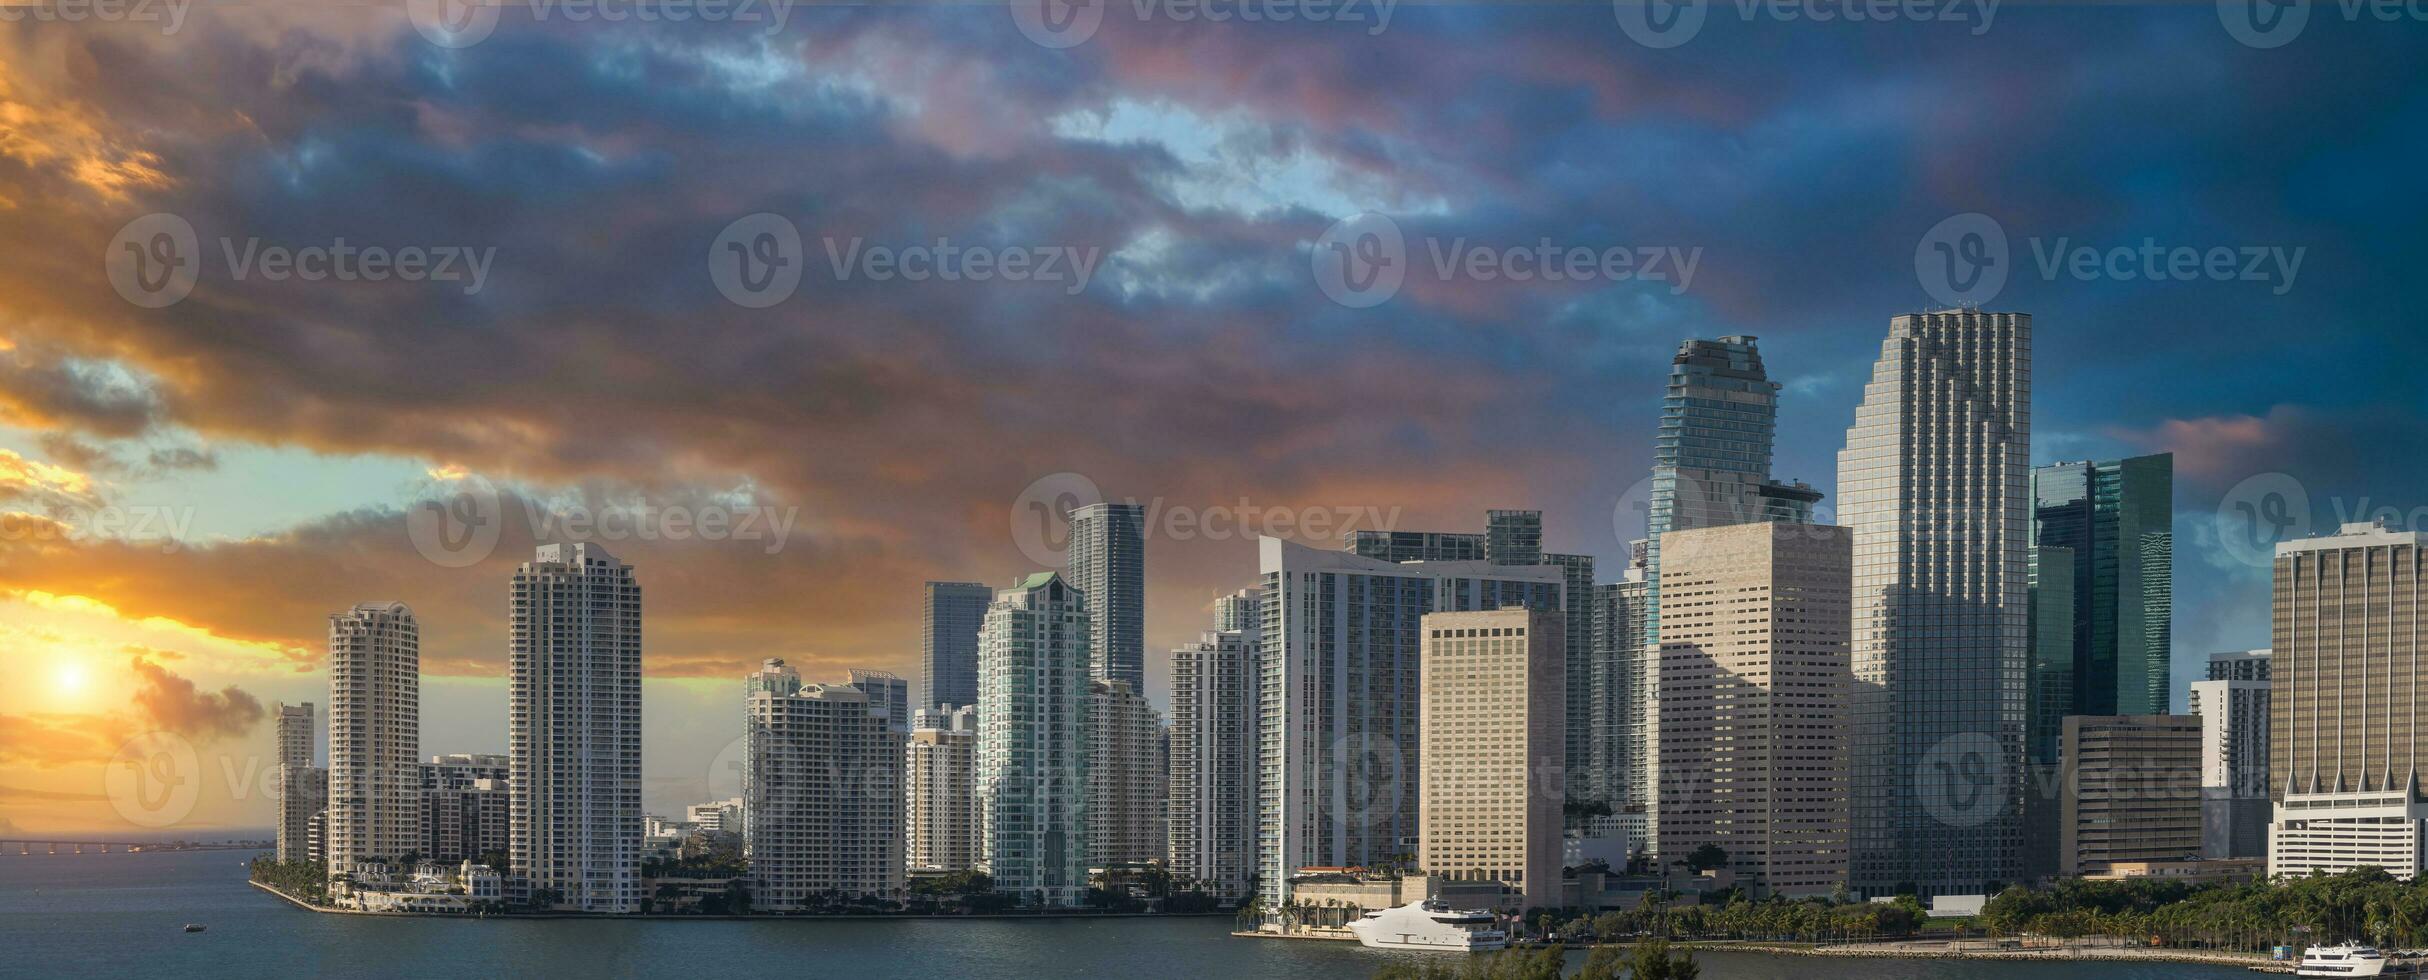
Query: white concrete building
[(574, 727), (2234, 809), (823, 787), (1493, 750), (1126, 796), (1213, 771), (375, 731), (1033, 756), (467, 807), (940, 777)]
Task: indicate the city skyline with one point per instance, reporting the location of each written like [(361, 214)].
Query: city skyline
[(864, 435)]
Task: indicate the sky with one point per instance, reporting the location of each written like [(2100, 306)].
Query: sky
[(795, 317)]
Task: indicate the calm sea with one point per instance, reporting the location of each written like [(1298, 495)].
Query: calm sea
[(121, 915)]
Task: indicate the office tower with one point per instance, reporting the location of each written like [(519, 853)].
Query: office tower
[(1213, 772), (889, 693), (2132, 790), (573, 716), (1337, 740), (375, 730), (303, 804), (2345, 703), (1125, 777), (1754, 680), (2048, 699), (467, 807), (824, 794), (2233, 765), (1620, 734), (1493, 749), (2239, 665), (948, 637), (1109, 564), (1513, 537), (1239, 612), (295, 738), (2115, 519), (1935, 482), (940, 778), (1033, 756)]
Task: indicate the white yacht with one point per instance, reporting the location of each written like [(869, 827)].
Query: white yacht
[(2341, 961), (1430, 925)]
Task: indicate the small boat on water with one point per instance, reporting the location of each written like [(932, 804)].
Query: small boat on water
[(2348, 960), (1430, 925), (195, 927)]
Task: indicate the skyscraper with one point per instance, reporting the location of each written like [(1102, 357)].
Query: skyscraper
[(298, 799), (1125, 777), (1213, 772), (1033, 756), (375, 734), (2233, 766), (2131, 790), (2344, 746), (1492, 749), (573, 714), (1754, 682), (1935, 482), (1620, 737), (948, 639), (467, 807), (824, 794), (1337, 739), (2115, 520), (888, 694), (1240, 611), (1108, 563), (940, 782), (2239, 665)]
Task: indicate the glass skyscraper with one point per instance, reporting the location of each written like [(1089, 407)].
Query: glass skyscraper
[(1108, 564), (953, 613), (2115, 519)]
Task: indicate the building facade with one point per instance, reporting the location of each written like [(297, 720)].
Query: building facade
[(948, 641), (1621, 737), (823, 791), (1337, 735), (467, 807), (940, 823), (1935, 482), (296, 738), (375, 733), (1493, 749), (1126, 794), (2132, 791), (2233, 767), (2346, 707), (1109, 564), (1033, 757), (573, 719), (1754, 682), (2114, 520), (2239, 665), (888, 693), (1213, 771)]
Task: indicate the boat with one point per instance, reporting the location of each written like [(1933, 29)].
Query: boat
[(1430, 925), (2349, 960), (195, 927)]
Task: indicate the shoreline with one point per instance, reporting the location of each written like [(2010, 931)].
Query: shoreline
[(745, 917)]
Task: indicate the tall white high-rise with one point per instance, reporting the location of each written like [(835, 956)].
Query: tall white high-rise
[(574, 728), (1033, 754), (824, 794), (1337, 738), (1125, 777), (1213, 789), (298, 798), (1935, 481), (1109, 563), (940, 780), (375, 731), (2233, 767)]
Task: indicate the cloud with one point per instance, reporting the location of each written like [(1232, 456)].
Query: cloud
[(170, 703)]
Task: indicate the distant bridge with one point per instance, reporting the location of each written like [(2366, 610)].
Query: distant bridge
[(22, 847)]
